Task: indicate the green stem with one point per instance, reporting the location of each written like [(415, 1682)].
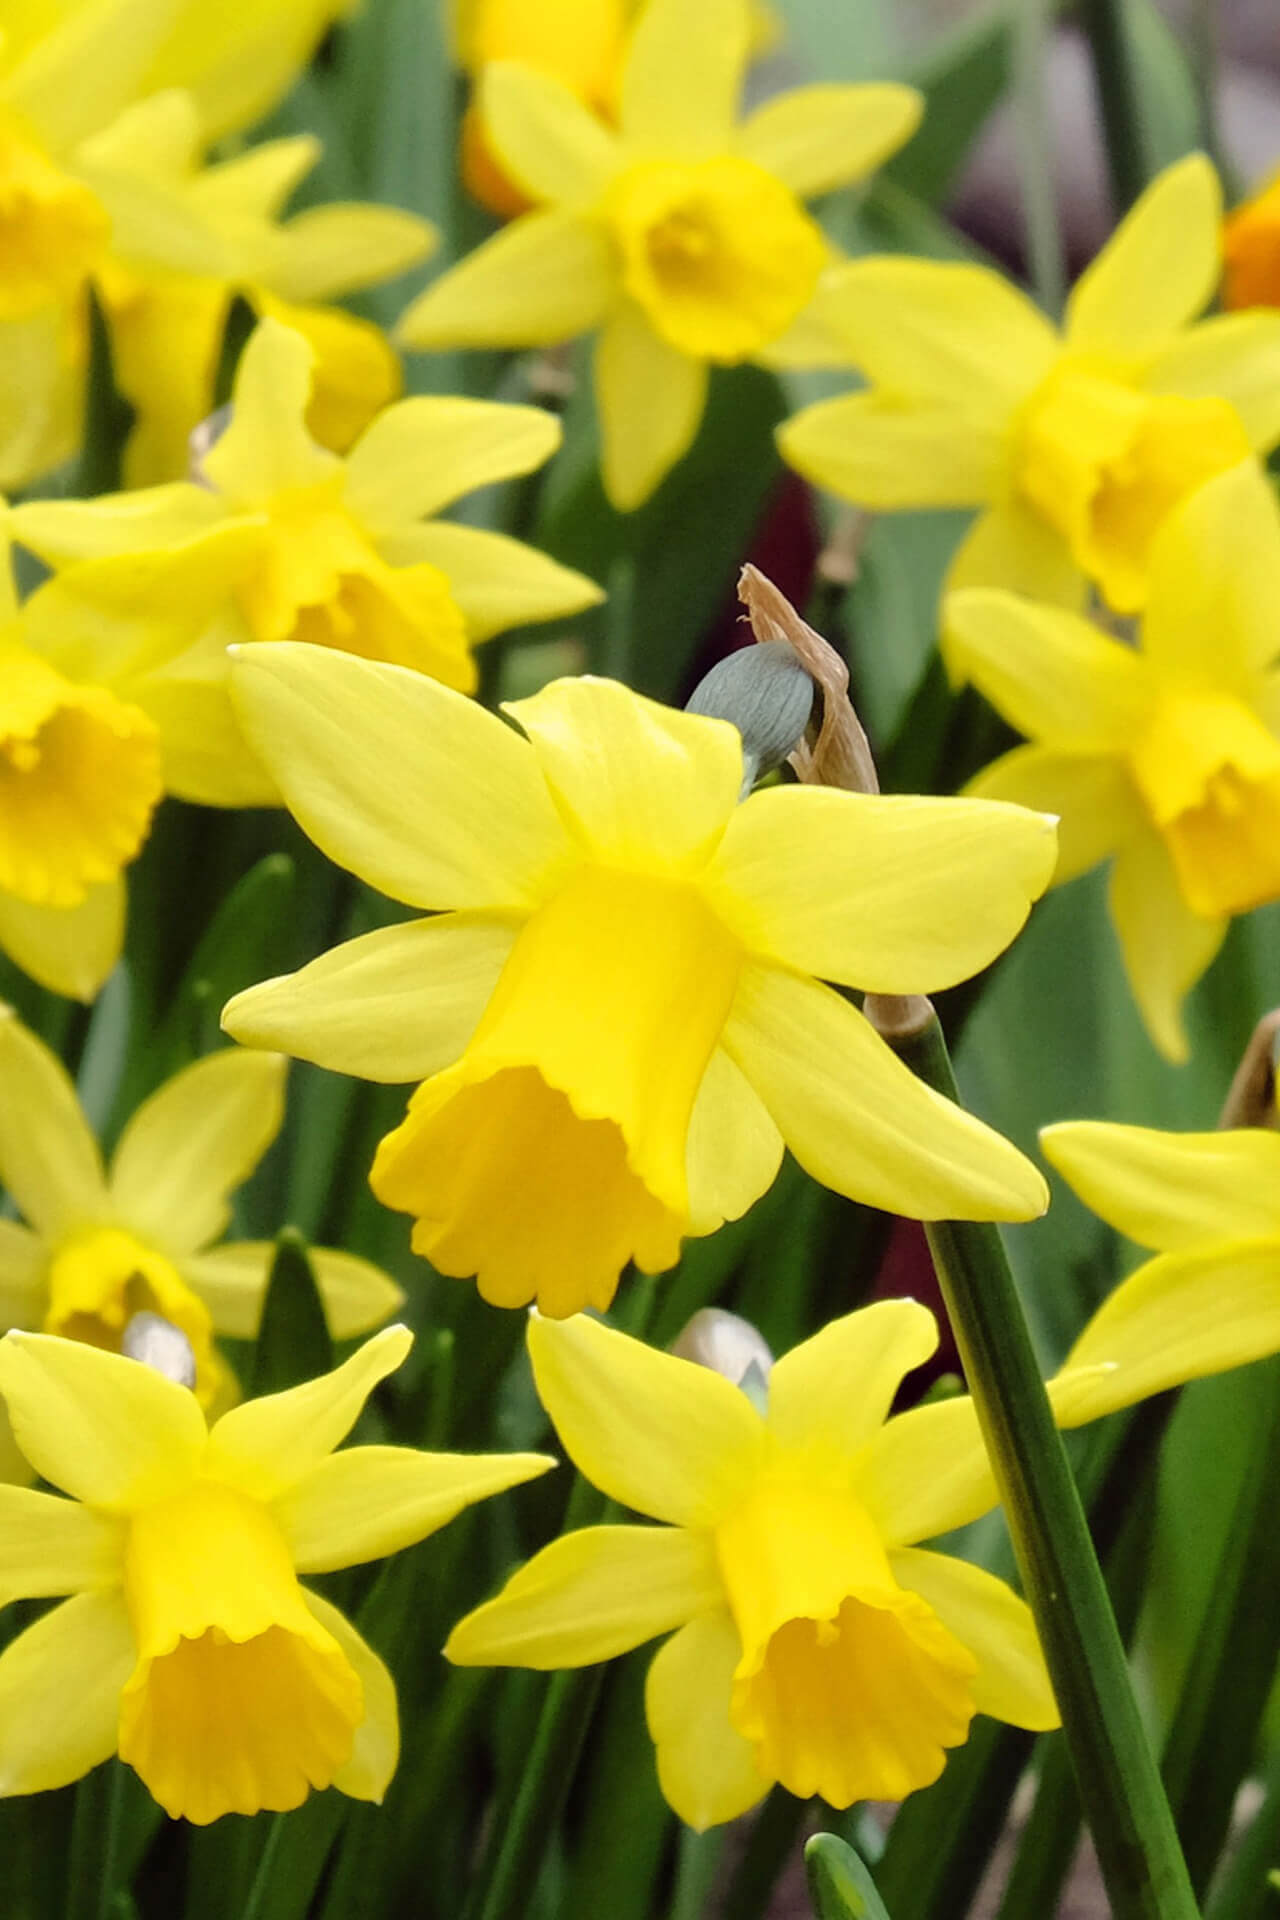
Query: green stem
[(1030, 27), (1115, 78), (1119, 1784), (255, 1907)]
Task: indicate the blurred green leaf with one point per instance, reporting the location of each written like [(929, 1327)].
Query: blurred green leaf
[(293, 1339), (839, 1884), (962, 78)]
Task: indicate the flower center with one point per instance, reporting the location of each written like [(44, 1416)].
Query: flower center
[(555, 1149), (720, 255), (1209, 772), (320, 579), (52, 229), (1105, 464), (79, 778), (848, 1686), (100, 1278), (240, 1699)]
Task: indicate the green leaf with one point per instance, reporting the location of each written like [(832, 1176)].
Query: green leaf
[(839, 1884), (293, 1339), (108, 416), (962, 77)]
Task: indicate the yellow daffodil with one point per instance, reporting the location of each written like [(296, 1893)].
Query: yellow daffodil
[(103, 1246), (1076, 443), (682, 236), (281, 538), (1251, 249), (189, 1646), (815, 1644), (80, 775), (238, 60), (1165, 754), (1208, 1204), (622, 1016), (167, 328)]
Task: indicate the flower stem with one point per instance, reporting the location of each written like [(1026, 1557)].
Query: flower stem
[(1119, 1784), (1119, 98)]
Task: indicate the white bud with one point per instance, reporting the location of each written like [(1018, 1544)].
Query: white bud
[(160, 1345)]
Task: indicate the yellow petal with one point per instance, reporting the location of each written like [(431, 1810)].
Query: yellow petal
[(232, 1281), (411, 785), (63, 531), (109, 1431), (879, 451), (70, 950), (266, 1446), (1159, 268), (590, 1596), (397, 1004), (1235, 356), (365, 1502), (53, 1546), (206, 758), (60, 1686), (236, 62), (833, 1392), (661, 1435), (1214, 583), (1012, 1682), (650, 400), (683, 74), (260, 180), (1092, 794), (49, 1159), (548, 141), (1170, 1191), (494, 581), (340, 247), (192, 1143), (877, 891), (707, 1771), (734, 1149), (267, 449), (925, 1472), (81, 72), (958, 335), (820, 137), (23, 1259), (357, 371), (1052, 674), (424, 453), (858, 1120), (1180, 1317), (641, 785), (543, 279), (1011, 546), (1164, 945), (367, 1774)]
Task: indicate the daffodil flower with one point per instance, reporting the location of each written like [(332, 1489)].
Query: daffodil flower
[(682, 236), (167, 328), (103, 1246), (1076, 444), (237, 61), (1166, 754), (189, 1646), (282, 538), (80, 776), (1208, 1205), (814, 1643), (1251, 249), (620, 1019)]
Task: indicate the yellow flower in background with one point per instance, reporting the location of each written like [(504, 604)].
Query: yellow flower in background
[(189, 1646), (622, 1016), (1208, 1204), (1076, 445), (281, 538), (238, 60), (682, 236), (814, 1644), (80, 776), (1165, 754), (1251, 249), (167, 328), (102, 1246)]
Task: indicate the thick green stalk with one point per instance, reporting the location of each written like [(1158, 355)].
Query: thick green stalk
[(1119, 1784), (1115, 77)]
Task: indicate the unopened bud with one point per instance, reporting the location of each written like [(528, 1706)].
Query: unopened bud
[(768, 695), (160, 1345), (730, 1346)]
